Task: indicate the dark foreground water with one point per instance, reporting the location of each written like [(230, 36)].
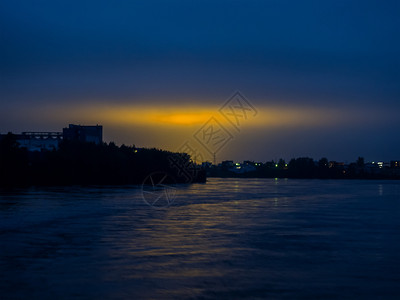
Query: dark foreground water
[(227, 239)]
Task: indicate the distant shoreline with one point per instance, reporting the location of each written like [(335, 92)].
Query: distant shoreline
[(307, 168), (305, 178)]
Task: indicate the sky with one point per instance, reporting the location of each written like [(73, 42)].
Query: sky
[(316, 78)]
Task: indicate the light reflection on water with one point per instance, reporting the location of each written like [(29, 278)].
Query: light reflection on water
[(229, 238)]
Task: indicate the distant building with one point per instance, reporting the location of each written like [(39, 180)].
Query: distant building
[(248, 163), (206, 165), (383, 164), (394, 164), (89, 134), (335, 164), (38, 141), (371, 167), (243, 168), (227, 164)]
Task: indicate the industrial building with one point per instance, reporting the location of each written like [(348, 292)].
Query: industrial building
[(37, 141), (89, 134)]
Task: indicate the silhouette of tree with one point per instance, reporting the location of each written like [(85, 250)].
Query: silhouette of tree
[(13, 161), (302, 167), (281, 163), (88, 163)]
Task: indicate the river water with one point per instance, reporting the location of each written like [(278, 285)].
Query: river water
[(226, 239)]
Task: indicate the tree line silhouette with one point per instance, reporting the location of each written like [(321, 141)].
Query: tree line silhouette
[(88, 164), (305, 167)]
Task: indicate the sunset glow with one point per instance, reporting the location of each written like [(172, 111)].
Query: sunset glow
[(182, 116), (168, 127)]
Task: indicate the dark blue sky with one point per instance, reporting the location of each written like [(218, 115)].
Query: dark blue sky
[(331, 56)]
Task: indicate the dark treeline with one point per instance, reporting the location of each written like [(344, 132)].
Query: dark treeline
[(306, 167), (88, 163)]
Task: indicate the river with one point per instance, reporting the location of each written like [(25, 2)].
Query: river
[(226, 239)]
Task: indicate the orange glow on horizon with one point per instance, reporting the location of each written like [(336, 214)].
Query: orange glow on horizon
[(268, 117), (167, 116), (186, 117), (183, 119), (169, 126)]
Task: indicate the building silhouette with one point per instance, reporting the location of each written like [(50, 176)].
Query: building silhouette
[(38, 141), (81, 133)]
